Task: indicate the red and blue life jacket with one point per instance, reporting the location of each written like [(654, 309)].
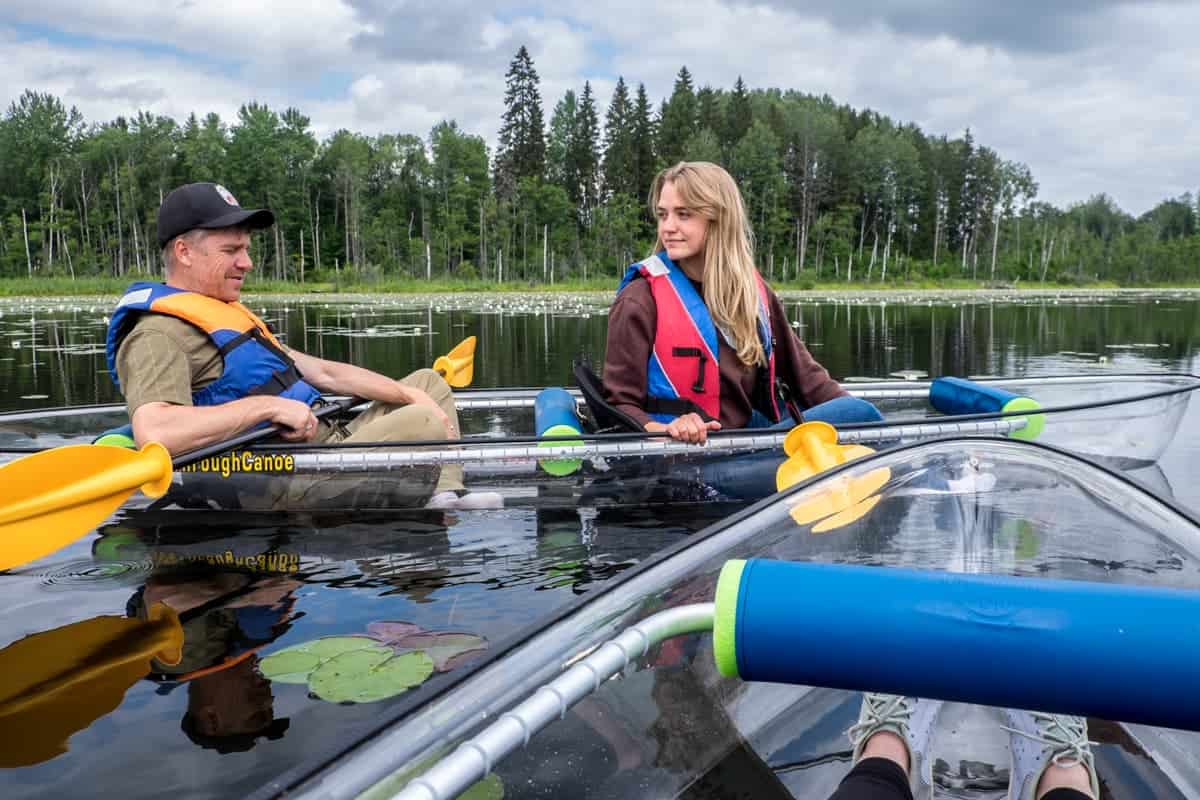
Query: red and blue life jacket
[(683, 374), (255, 361)]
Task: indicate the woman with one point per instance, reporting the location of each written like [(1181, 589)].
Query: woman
[(697, 342)]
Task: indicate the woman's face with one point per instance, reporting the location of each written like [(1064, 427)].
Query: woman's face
[(682, 231)]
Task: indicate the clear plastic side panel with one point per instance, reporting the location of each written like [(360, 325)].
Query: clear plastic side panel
[(669, 726)]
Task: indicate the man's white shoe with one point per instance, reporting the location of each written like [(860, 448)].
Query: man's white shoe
[(449, 500)]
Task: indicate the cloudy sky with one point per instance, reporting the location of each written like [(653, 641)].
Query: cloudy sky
[(1094, 95)]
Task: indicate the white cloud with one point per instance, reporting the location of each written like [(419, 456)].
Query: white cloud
[(1093, 97)]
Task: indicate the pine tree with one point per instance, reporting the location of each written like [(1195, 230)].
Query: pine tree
[(558, 143), (521, 151), (620, 165), (708, 110), (583, 156), (677, 121), (738, 116), (644, 159)]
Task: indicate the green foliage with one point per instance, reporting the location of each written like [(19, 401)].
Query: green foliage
[(522, 150), (833, 193), (677, 122)]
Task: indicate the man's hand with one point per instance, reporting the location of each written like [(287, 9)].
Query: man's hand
[(420, 398), (296, 419)]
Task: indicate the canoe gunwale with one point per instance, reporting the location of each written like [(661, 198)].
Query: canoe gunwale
[(522, 397)]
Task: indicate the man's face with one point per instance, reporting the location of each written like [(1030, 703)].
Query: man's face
[(214, 263)]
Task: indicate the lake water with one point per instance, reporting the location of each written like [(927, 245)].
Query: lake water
[(212, 727)]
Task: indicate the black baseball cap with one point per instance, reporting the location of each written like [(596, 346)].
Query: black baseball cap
[(208, 206)]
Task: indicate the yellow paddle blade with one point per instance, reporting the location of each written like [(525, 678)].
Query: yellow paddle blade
[(842, 502), (60, 681), (49, 499), (458, 366), (811, 448), (846, 516)]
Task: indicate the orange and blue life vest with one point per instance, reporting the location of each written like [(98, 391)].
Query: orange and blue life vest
[(683, 372), (255, 361)]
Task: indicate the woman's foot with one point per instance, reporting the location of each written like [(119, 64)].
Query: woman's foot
[(1049, 751), (899, 729)]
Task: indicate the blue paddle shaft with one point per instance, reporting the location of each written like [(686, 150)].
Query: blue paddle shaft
[(1117, 652), (554, 407), (951, 396)]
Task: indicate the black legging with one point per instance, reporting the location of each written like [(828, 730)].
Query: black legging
[(882, 779)]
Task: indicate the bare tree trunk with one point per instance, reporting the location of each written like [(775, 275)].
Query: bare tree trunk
[(887, 248), (346, 254), (317, 234), (1046, 252), (120, 231), (937, 229), (862, 228), (874, 252), (53, 177), (799, 264), (545, 252), (995, 240), (25, 232), (70, 264), (83, 209), (301, 255)]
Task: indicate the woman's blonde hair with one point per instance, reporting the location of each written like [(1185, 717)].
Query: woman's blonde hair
[(730, 282)]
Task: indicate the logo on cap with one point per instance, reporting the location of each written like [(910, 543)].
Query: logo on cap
[(226, 195)]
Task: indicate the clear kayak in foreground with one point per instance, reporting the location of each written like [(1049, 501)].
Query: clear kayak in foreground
[(1124, 420), (632, 703)]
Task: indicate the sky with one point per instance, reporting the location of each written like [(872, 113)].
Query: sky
[(1094, 95)]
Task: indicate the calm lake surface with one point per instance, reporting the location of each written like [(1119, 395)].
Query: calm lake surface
[(213, 727)]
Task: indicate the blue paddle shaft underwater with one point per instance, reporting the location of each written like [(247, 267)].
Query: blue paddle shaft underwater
[(1117, 652)]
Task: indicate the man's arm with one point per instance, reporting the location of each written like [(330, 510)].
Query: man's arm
[(337, 377), (183, 428), (156, 377)]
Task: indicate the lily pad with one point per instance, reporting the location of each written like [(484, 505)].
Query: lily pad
[(392, 632), (446, 649), (295, 664), (364, 676)]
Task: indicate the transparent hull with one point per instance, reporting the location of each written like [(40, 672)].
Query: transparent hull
[(667, 725)]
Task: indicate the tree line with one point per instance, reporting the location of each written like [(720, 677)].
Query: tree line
[(834, 193)]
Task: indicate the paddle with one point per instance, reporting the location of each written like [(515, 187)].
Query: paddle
[(49, 499), (812, 448), (458, 366), (60, 681)]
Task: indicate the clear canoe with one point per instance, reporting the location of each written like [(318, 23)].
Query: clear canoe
[(1125, 421), (560, 711)]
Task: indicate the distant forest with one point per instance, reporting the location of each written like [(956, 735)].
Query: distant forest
[(835, 194)]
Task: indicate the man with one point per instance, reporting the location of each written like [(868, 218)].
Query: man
[(196, 367)]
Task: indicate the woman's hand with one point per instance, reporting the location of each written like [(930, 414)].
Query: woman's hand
[(687, 428)]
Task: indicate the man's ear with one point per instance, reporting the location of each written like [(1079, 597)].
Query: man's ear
[(182, 250)]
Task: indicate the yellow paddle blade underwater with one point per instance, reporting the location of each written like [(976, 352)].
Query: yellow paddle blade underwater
[(812, 448), (60, 681), (49, 499), (458, 366)]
